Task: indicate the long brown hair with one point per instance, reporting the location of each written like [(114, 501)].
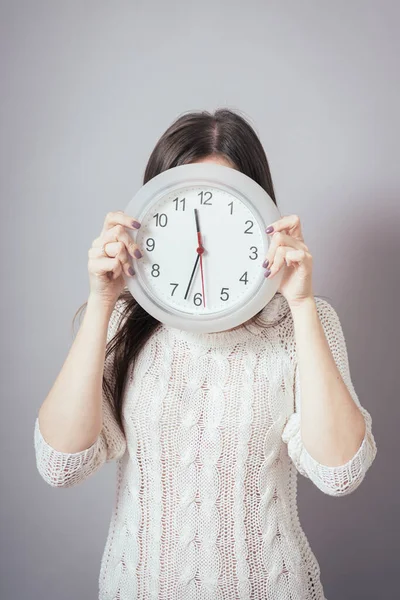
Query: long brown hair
[(191, 137)]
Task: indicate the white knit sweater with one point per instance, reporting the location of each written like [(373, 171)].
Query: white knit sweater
[(206, 490)]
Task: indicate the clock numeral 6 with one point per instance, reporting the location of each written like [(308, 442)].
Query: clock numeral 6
[(155, 270), (198, 299), (254, 254), (224, 294), (161, 219), (150, 244)]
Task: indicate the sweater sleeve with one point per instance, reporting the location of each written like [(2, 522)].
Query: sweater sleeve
[(333, 480), (62, 469)]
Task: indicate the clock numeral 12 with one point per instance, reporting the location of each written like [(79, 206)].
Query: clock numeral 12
[(207, 200)]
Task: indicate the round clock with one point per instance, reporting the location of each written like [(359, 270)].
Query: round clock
[(203, 242)]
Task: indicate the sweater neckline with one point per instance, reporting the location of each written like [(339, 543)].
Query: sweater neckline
[(270, 314)]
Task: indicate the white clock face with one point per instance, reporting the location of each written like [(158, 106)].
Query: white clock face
[(225, 275)]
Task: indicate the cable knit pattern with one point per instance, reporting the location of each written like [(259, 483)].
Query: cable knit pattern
[(206, 496)]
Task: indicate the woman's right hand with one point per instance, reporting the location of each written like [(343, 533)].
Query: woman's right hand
[(106, 272)]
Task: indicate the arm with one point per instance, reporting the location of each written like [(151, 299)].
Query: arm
[(75, 431), (329, 435)]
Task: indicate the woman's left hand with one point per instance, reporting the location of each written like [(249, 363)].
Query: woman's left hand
[(288, 251)]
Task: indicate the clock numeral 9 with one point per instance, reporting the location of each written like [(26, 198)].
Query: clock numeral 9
[(155, 270), (224, 294), (150, 244), (198, 299), (254, 254), (207, 200), (244, 278), (249, 227), (161, 219)]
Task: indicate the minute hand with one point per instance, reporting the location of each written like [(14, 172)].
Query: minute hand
[(192, 275)]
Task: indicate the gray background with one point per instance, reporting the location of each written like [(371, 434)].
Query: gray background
[(86, 90)]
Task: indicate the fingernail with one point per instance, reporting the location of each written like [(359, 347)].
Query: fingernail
[(137, 253), (267, 273), (131, 271), (269, 229), (136, 224), (265, 263)]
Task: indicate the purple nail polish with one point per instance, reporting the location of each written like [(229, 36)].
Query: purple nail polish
[(131, 271), (265, 263), (269, 229), (137, 253), (267, 273), (136, 224)]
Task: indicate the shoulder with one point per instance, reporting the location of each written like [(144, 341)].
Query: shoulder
[(327, 313), (275, 312), (276, 321), (278, 312)]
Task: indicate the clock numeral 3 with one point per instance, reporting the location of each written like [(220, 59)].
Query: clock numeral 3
[(150, 244), (244, 278), (224, 294), (205, 200), (254, 254), (155, 270), (249, 227), (161, 219), (176, 285), (198, 299)]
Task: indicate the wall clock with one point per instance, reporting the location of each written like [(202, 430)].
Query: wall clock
[(203, 242)]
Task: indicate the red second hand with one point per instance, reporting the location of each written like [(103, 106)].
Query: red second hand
[(200, 251)]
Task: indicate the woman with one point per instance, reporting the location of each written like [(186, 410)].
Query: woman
[(207, 428)]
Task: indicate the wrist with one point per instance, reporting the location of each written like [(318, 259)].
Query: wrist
[(299, 306), (99, 305)]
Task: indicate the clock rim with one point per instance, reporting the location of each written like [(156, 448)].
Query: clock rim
[(254, 196)]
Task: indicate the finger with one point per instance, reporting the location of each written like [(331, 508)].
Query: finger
[(281, 239), (295, 257), (289, 223), (105, 265), (114, 250), (279, 261), (118, 233), (286, 255), (119, 218)]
